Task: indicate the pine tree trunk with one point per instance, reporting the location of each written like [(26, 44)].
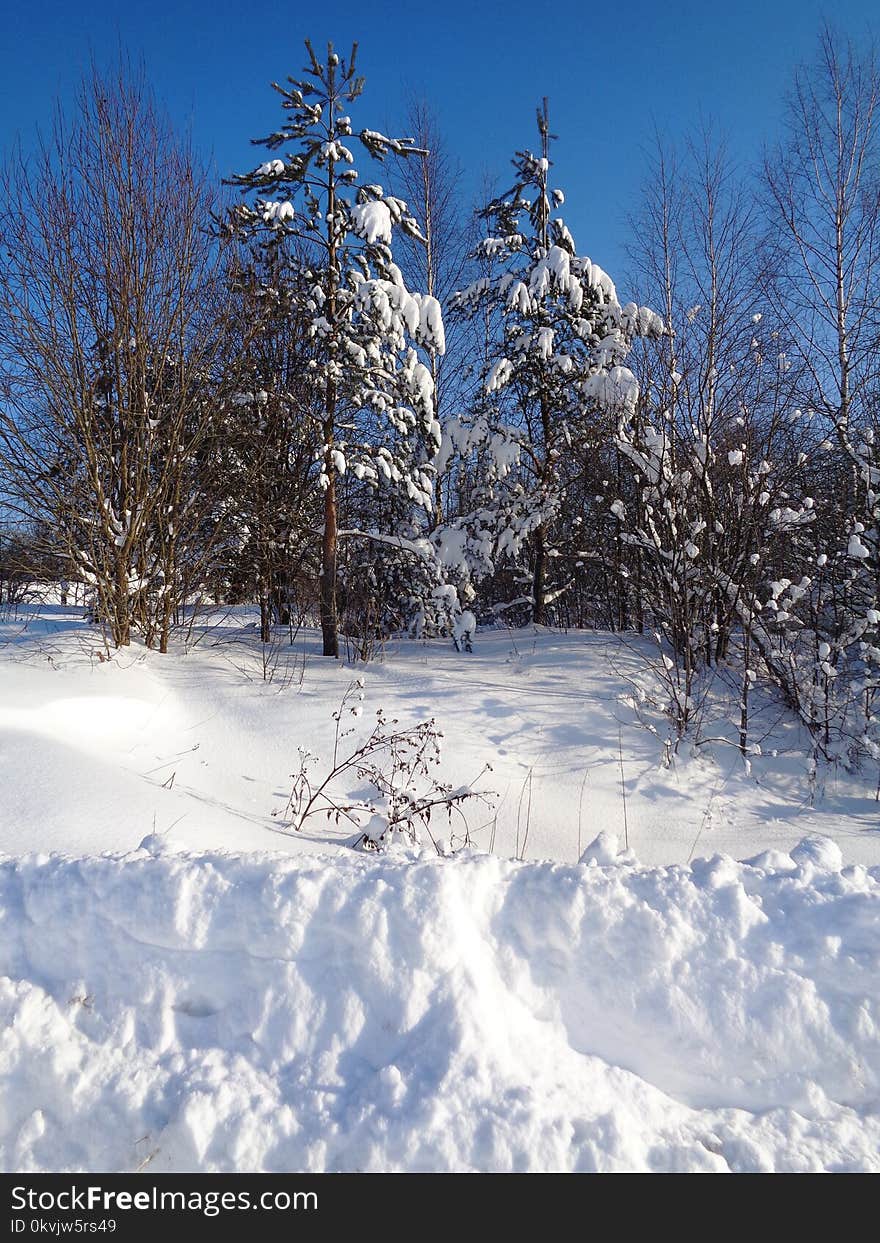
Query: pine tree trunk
[(329, 620), (539, 608)]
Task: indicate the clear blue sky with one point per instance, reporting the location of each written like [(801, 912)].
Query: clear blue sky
[(613, 72)]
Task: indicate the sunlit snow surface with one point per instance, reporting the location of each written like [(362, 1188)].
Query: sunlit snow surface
[(221, 1012), (234, 996)]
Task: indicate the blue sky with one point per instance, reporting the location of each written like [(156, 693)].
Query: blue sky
[(613, 72)]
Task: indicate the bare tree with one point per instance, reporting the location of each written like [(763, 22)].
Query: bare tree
[(111, 331), (823, 273), (824, 249), (711, 438)]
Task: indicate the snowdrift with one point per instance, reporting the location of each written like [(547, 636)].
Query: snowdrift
[(259, 1012)]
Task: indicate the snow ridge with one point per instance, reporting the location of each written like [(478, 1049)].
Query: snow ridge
[(409, 1012)]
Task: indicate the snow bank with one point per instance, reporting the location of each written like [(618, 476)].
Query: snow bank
[(257, 1012)]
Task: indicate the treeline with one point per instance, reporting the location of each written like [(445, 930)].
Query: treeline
[(367, 406)]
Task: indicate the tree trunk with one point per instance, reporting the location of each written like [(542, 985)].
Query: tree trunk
[(166, 617), (265, 619), (539, 608), (121, 620), (329, 620), (280, 600), (744, 695)]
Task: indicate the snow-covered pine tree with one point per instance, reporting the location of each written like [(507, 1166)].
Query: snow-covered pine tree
[(431, 185), (556, 364), (377, 396)]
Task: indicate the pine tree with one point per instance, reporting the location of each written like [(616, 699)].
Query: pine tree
[(558, 358), (377, 396)]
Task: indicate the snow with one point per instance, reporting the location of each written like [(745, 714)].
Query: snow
[(856, 548), (615, 389), (500, 374), (186, 984), (227, 1011), (372, 221), (544, 340), (465, 624), (598, 279), (431, 329), (278, 212), (199, 746)]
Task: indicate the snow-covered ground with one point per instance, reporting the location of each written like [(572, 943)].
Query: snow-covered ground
[(95, 754), (221, 1011), (210, 1002)]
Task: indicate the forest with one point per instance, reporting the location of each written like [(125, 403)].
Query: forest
[(382, 410), (439, 678)]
